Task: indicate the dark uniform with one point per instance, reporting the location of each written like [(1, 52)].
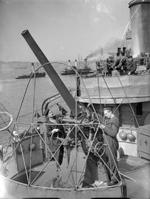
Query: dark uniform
[(60, 133), (132, 67), (91, 170), (110, 159)]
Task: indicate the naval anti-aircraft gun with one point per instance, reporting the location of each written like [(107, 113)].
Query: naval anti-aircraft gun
[(50, 177)]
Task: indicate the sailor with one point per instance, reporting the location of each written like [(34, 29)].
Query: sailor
[(123, 65), (116, 64), (91, 169), (57, 135), (43, 129), (76, 64), (62, 109), (105, 70), (69, 63), (121, 61), (109, 66), (131, 66), (98, 66), (110, 129)]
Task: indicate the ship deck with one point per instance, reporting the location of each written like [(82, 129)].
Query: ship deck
[(135, 170), (138, 172)]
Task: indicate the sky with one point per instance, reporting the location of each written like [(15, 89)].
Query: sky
[(64, 29)]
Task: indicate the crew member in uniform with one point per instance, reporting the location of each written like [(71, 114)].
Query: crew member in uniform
[(57, 133), (110, 129), (52, 132), (91, 169), (105, 134), (88, 142)]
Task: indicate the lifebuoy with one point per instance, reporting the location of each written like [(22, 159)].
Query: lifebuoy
[(123, 135), (131, 137)]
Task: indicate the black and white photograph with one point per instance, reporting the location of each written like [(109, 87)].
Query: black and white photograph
[(75, 99)]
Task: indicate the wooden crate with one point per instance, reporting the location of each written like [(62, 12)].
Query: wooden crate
[(143, 141)]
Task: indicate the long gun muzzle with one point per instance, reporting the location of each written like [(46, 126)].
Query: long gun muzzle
[(66, 95)]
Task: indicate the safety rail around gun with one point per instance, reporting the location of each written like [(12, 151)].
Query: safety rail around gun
[(66, 95)]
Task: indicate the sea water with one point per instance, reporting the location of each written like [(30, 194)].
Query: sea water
[(16, 93)]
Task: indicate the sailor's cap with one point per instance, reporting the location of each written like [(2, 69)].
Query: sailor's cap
[(109, 108)]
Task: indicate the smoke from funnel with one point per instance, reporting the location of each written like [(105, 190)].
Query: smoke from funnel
[(110, 47), (95, 53)]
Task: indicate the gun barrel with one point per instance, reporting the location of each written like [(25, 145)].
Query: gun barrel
[(66, 95)]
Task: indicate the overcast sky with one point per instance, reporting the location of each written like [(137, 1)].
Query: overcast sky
[(64, 29)]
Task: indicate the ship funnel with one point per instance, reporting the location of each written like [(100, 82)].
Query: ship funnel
[(118, 51), (140, 26), (123, 51)]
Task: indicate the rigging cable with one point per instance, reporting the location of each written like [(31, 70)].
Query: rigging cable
[(128, 101)]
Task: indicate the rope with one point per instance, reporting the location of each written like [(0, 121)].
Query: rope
[(23, 97), (34, 93), (90, 100), (30, 161), (99, 90), (3, 107), (109, 90), (128, 101), (75, 125)]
